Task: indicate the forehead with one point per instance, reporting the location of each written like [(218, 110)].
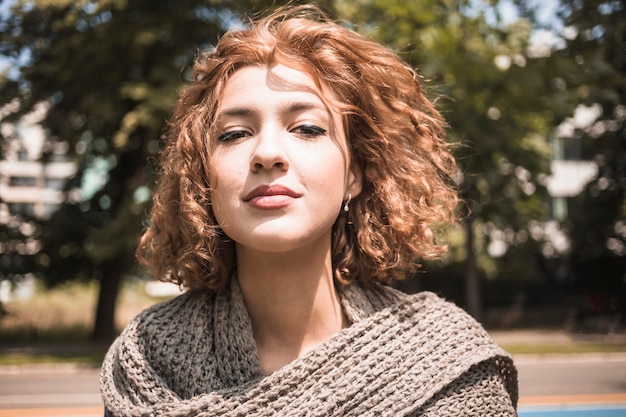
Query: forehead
[(265, 82)]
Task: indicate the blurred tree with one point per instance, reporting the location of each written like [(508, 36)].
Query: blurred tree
[(18, 244), (592, 65), (110, 71), (494, 97)]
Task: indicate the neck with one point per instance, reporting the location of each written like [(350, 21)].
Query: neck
[(291, 299)]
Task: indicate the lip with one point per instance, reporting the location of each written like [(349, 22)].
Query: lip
[(270, 196)]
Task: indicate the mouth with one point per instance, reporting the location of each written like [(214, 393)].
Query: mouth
[(270, 191)]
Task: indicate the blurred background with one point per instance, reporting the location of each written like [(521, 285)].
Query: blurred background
[(534, 92)]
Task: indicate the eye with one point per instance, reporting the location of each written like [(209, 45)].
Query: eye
[(310, 131), (232, 135)]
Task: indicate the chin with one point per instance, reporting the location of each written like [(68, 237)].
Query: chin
[(281, 242)]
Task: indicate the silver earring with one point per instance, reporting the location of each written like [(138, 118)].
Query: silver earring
[(346, 205)]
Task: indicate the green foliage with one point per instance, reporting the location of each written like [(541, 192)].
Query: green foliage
[(492, 93), (110, 71), (589, 69), (18, 245), (597, 57)]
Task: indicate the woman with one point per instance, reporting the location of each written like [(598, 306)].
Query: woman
[(304, 170)]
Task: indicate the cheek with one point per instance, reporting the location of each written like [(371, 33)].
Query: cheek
[(329, 177), (221, 175), (225, 186), (217, 191)]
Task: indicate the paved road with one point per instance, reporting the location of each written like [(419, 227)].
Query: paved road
[(548, 380), (572, 375), (42, 391), (592, 385)]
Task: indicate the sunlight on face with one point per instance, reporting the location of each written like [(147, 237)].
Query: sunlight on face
[(280, 167)]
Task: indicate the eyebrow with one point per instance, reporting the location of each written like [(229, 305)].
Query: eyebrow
[(288, 108)]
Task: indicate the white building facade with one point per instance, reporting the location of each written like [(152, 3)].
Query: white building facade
[(29, 185)]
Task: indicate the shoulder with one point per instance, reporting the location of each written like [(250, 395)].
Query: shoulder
[(429, 300), (446, 324), (440, 325), (169, 322), (436, 345), (176, 309), (451, 331), (441, 312), (468, 351), (480, 391), (468, 347), (179, 302), (362, 302), (428, 306), (161, 342)]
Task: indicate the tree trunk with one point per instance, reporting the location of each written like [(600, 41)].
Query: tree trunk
[(472, 284), (104, 326)]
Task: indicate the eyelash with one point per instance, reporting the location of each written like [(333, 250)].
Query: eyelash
[(310, 131), (305, 130), (231, 135)]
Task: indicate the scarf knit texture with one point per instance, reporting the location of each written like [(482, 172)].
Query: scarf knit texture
[(403, 355)]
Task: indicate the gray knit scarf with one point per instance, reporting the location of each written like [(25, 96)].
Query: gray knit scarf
[(403, 355)]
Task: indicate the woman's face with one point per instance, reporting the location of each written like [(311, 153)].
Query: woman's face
[(280, 170)]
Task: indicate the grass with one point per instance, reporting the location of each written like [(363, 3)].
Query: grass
[(66, 313), (61, 314), (87, 357), (54, 326), (541, 349)]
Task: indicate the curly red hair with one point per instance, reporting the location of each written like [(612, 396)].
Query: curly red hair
[(396, 137)]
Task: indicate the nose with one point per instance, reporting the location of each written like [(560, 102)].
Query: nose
[(269, 152)]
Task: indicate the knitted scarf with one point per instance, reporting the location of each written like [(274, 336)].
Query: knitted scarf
[(402, 355)]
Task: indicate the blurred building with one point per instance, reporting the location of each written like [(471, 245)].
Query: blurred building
[(33, 171), (570, 172), (569, 175)]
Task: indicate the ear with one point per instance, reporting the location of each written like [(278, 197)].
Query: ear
[(354, 181)]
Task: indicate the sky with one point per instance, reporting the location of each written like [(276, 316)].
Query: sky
[(5, 5)]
